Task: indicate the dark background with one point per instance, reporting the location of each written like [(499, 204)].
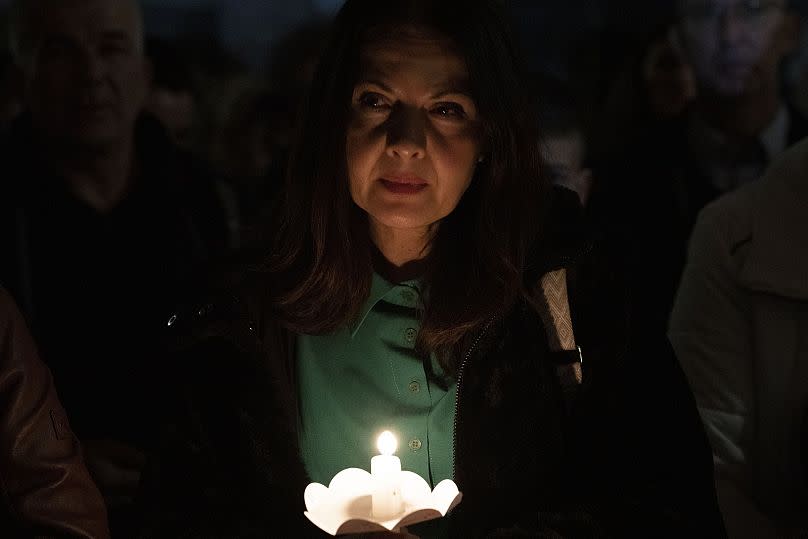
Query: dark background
[(551, 29)]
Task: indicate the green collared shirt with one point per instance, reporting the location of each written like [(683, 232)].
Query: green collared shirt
[(365, 379)]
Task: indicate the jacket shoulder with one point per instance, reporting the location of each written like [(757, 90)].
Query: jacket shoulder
[(732, 216), (565, 236)]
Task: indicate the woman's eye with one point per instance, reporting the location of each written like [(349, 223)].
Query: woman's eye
[(449, 110), (373, 101)]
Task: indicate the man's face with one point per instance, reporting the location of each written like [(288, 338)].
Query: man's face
[(734, 46), (86, 78)]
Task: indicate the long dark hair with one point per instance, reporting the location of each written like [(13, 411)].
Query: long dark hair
[(321, 264)]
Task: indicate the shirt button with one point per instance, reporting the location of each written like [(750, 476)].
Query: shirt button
[(414, 386), (415, 444), (410, 334)]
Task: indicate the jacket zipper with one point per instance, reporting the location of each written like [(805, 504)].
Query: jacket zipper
[(458, 387)]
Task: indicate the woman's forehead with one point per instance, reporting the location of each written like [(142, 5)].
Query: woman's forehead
[(407, 37), (403, 31), (427, 53)]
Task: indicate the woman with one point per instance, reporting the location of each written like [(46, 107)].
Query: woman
[(404, 293), (650, 92)]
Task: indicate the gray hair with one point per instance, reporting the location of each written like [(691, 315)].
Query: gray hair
[(21, 17)]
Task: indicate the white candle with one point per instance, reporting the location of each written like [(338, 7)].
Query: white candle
[(386, 469)]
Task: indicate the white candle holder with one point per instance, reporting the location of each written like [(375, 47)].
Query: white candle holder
[(345, 506)]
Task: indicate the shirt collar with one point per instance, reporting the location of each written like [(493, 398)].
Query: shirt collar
[(729, 164), (711, 141), (404, 294), (775, 137)]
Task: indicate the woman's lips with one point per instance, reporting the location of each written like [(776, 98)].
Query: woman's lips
[(404, 186)]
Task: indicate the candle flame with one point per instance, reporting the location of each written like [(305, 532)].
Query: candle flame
[(387, 443)]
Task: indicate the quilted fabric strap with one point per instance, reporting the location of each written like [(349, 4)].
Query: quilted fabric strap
[(555, 313)]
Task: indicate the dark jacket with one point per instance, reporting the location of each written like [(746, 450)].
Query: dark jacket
[(94, 286), (45, 489), (629, 460)]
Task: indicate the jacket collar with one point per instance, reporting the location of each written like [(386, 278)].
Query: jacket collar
[(777, 259)]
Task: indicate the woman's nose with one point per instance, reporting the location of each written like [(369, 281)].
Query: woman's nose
[(406, 134)]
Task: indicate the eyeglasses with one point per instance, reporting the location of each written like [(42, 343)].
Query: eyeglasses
[(745, 11)]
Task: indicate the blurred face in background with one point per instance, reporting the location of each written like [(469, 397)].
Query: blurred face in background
[(668, 77), (413, 137), (176, 110), (85, 75), (563, 159), (734, 46)]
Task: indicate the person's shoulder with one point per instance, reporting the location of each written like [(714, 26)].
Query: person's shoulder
[(723, 231), (565, 235), (729, 212), (789, 168), (733, 212)]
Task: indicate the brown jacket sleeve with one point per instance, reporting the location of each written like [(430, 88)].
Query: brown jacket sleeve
[(46, 489)]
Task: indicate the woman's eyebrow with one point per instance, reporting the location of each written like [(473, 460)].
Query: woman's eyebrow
[(457, 85), (443, 91), (374, 82), (440, 90)]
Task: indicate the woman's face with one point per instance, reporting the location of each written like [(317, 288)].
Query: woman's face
[(413, 136)]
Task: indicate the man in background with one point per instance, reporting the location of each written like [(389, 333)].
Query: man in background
[(740, 331), (104, 224), (738, 121)]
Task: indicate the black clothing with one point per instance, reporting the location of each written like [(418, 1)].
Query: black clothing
[(629, 460), (95, 287)]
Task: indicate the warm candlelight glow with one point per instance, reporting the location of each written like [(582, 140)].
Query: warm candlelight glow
[(337, 509), (387, 443), (386, 471)]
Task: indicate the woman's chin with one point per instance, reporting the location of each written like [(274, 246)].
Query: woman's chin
[(401, 220)]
